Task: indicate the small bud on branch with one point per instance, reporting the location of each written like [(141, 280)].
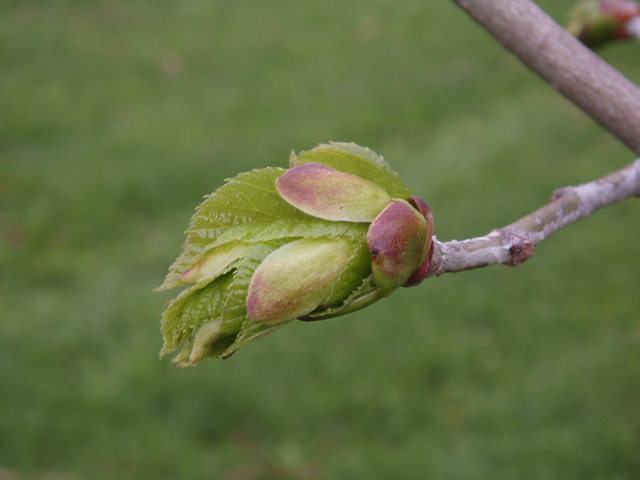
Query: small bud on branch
[(331, 235), (596, 22)]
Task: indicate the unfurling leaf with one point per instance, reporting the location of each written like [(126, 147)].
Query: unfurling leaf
[(329, 194), (333, 234)]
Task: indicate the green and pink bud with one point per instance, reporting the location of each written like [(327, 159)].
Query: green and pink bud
[(295, 279), (596, 22), (420, 274), (331, 235), (397, 239), (329, 194)]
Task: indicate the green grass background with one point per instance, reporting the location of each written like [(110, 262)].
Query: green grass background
[(117, 117)]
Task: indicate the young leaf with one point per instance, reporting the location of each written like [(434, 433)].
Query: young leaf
[(342, 157), (330, 194), (249, 198)]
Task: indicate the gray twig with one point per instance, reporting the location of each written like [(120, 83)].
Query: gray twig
[(515, 243)]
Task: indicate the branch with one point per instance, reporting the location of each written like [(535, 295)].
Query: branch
[(515, 243), (575, 71)]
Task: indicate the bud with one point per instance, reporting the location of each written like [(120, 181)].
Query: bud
[(295, 279), (329, 194), (331, 235), (397, 240), (595, 23), (419, 275)]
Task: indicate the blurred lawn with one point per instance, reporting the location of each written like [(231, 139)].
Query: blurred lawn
[(117, 117)]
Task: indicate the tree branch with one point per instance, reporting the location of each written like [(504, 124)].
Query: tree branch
[(575, 71), (515, 243)]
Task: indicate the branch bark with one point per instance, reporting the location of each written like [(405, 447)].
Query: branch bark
[(515, 243), (571, 68)]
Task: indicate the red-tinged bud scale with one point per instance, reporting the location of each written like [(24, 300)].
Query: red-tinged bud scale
[(420, 274), (397, 239)]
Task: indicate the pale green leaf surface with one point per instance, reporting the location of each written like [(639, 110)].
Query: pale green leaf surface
[(250, 332), (210, 263), (249, 198), (361, 297), (363, 152), (291, 229), (177, 323), (356, 268), (234, 312)]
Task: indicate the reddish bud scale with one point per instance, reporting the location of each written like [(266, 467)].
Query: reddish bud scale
[(420, 274), (396, 239)]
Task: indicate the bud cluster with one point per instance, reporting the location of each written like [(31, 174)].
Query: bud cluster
[(331, 235)]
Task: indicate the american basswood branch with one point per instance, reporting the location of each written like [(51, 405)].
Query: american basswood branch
[(515, 243), (575, 71)]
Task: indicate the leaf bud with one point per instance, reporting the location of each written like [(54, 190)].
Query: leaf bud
[(397, 239), (296, 278), (420, 274), (329, 194), (596, 22)]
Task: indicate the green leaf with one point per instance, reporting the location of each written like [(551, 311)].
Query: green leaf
[(249, 198), (365, 153), (356, 160), (291, 229), (251, 331), (363, 296), (193, 307), (356, 268), (222, 298), (236, 228), (212, 262)]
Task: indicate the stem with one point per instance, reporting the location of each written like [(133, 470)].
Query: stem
[(575, 71), (515, 243)]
